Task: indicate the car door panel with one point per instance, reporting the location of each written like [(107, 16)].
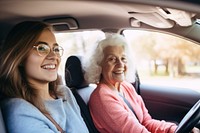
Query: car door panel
[(168, 103)]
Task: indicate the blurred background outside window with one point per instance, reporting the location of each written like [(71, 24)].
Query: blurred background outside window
[(160, 59)]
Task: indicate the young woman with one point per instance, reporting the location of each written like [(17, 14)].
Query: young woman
[(32, 101)]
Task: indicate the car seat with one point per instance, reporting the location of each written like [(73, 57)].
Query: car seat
[(74, 78), (2, 124)]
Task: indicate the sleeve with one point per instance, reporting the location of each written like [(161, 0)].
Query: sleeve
[(21, 117), (156, 126), (153, 125), (110, 115)]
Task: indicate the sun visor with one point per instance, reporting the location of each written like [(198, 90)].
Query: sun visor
[(160, 17), (182, 18), (152, 19)]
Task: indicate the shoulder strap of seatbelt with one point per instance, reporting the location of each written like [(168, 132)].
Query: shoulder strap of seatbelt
[(129, 105), (55, 123)]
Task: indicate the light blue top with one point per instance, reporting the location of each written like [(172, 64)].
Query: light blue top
[(22, 117)]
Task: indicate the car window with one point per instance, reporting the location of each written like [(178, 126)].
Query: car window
[(161, 59), (77, 43), (166, 60)]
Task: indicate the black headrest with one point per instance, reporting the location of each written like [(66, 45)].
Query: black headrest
[(74, 76)]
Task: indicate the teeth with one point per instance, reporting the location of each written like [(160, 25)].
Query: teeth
[(49, 66), (119, 72)]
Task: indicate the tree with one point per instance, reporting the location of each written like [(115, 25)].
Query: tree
[(173, 51)]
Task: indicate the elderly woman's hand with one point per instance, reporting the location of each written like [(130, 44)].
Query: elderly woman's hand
[(195, 130)]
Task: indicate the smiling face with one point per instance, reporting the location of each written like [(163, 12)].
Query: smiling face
[(114, 65), (42, 68)]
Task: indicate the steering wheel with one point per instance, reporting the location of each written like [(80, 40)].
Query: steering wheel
[(190, 119)]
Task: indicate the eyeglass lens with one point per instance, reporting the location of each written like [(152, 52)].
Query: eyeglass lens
[(45, 50)]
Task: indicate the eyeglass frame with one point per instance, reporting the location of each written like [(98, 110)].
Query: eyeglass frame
[(43, 43)]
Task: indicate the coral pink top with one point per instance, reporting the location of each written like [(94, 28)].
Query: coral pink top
[(112, 115)]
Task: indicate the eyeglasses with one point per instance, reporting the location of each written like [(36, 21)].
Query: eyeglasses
[(44, 50)]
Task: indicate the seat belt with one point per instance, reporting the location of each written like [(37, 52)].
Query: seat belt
[(55, 123), (129, 105)]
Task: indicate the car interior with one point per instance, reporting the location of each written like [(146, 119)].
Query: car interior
[(178, 18)]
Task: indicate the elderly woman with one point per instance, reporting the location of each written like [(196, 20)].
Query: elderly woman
[(114, 105)]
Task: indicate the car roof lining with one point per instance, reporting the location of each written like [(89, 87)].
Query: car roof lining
[(115, 12)]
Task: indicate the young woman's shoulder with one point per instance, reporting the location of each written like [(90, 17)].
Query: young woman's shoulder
[(67, 93), (68, 97), (17, 110), (17, 106), (15, 103)]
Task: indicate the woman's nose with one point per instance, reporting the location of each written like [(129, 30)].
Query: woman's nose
[(52, 54), (120, 62)]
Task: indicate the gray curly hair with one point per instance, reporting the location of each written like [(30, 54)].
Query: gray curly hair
[(91, 66)]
